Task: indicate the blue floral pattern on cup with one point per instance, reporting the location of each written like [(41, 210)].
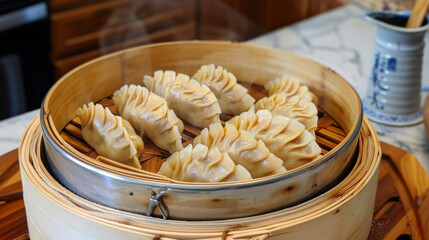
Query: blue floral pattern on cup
[(382, 64), (378, 117)]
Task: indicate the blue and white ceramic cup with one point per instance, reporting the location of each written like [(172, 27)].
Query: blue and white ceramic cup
[(393, 93)]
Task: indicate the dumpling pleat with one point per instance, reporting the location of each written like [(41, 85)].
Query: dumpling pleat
[(191, 101), (201, 164), (242, 147), (150, 115), (291, 86), (284, 137), (301, 110), (111, 136), (233, 97)]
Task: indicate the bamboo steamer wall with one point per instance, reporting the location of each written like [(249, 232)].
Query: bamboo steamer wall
[(251, 64), (53, 212)]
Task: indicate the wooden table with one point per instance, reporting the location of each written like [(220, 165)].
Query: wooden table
[(401, 207)]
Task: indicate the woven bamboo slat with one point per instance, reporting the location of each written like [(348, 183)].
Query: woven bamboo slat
[(328, 135)]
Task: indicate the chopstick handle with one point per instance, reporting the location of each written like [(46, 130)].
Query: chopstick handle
[(426, 115), (417, 15)]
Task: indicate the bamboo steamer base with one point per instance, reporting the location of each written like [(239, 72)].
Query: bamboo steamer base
[(343, 212)]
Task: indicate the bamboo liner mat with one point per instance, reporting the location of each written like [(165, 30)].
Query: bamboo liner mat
[(328, 135), (347, 206)]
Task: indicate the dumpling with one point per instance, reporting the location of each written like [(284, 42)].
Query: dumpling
[(285, 138), (243, 149), (291, 86), (293, 107), (110, 135), (191, 101), (233, 97), (150, 115), (201, 164)]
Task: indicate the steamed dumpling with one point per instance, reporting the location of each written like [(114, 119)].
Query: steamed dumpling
[(191, 101), (233, 97), (293, 107), (285, 138), (291, 86), (243, 149), (110, 135), (150, 115), (201, 164)]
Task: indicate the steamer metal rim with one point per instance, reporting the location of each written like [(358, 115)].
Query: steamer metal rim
[(202, 187), (119, 190)]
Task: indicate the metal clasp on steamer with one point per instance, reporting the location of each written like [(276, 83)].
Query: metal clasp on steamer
[(156, 201)]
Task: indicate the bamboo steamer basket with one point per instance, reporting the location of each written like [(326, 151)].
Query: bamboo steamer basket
[(137, 191), (54, 212)]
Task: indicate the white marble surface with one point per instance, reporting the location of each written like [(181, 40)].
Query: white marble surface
[(341, 39), (12, 129)]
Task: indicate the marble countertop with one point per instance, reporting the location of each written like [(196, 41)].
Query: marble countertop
[(343, 40), (340, 39)]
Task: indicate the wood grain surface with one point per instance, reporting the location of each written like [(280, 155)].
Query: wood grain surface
[(401, 208)]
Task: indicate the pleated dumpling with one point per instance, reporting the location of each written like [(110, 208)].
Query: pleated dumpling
[(293, 107), (201, 164), (233, 97), (111, 136), (150, 115), (291, 86), (285, 138), (243, 149), (191, 101)]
